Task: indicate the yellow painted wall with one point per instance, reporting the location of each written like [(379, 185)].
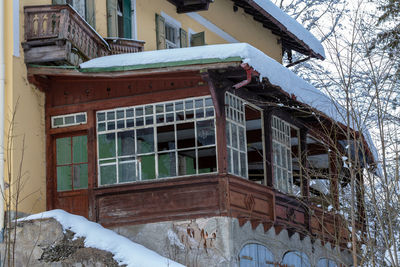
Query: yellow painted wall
[(27, 103), (239, 25)]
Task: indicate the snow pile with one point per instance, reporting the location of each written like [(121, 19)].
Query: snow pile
[(292, 25), (267, 67), (125, 251)]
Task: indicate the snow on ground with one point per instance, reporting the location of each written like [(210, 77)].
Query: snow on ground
[(267, 67), (292, 25), (96, 236)]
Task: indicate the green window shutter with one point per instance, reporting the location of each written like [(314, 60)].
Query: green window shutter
[(112, 19), (59, 2), (160, 32), (197, 39), (126, 13), (183, 37), (90, 13)]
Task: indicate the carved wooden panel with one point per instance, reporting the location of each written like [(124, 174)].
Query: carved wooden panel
[(160, 202)]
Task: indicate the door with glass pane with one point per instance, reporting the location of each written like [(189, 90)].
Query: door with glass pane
[(71, 173)]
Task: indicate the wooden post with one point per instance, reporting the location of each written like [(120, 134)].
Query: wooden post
[(218, 97), (305, 183), (268, 146)]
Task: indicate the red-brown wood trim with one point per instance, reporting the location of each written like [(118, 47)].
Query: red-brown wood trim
[(268, 146), (218, 97), (133, 100)]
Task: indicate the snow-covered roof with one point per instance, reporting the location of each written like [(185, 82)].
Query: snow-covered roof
[(290, 24), (267, 67), (96, 236)]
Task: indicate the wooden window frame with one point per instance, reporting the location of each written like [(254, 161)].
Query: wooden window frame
[(280, 132), (207, 107), (235, 118)]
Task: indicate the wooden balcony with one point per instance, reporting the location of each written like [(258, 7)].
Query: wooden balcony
[(207, 196), (122, 46), (58, 35)]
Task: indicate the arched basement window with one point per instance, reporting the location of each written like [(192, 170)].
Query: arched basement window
[(326, 263), (256, 255), (296, 259)]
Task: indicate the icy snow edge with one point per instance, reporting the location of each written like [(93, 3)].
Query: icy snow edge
[(267, 67), (96, 236), (292, 26)]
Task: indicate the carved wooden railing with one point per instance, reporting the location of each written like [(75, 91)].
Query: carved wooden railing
[(193, 197), (60, 23), (123, 46)]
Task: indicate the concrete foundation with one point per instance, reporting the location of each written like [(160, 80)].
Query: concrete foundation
[(217, 241)]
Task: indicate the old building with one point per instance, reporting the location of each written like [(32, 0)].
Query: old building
[(196, 142)]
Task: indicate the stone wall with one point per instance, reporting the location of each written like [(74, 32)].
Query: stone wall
[(217, 241), (43, 243)]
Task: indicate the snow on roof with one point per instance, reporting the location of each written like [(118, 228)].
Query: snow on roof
[(292, 25), (96, 236), (267, 67)]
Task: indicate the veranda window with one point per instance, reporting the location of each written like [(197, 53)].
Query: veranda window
[(282, 154), (236, 135), (165, 139)]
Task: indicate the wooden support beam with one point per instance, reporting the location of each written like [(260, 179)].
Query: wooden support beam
[(217, 89), (268, 146)]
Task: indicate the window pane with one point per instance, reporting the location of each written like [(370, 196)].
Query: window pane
[(58, 121), (207, 160), (185, 135), (80, 176), (235, 162), (228, 133), (101, 127), (166, 137), (166, 165), (80, 118), (110, 115), (106, 145), (126, 143), (79, 148), (234, 136), (148, 167), (63, 147), (108, 174), (70, 120), (205, 133), (145, 140), (127, 172), (120, 114), (242, 139), (64, 181), (187, 162), (243, 170), (101, 116)]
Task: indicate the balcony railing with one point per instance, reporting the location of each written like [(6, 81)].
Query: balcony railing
[(207, 196), (122, 46), (57, 34)]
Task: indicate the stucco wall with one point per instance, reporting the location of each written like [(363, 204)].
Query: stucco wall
[(27, 103), (217, 241), (239, 25)]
